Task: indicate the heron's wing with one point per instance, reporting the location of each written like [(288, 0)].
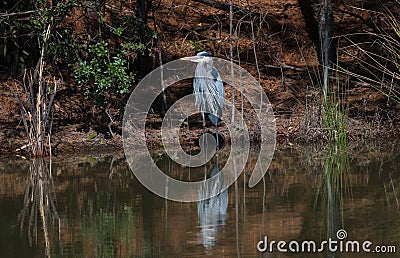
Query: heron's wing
[(209, 83), (218, 90)]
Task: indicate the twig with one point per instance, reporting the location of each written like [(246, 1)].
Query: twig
[(253, 39), (288, 67), (164, 96), (110, 123), (231, 59)]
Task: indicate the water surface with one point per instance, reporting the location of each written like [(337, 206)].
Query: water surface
[(93, 206)]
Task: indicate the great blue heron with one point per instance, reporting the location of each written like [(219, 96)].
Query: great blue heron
[(209, 89)]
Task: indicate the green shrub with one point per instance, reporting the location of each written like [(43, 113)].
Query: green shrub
[(104, 72)]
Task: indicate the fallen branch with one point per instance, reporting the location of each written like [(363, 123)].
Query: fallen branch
[(222, 6)]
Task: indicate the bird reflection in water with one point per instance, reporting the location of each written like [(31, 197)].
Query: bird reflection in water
[(213, 211)]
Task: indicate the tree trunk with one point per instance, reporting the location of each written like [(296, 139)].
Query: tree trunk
[(311, 24), (142, 6), (325, 35)]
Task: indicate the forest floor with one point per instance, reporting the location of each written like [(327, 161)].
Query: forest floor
[(287, 65)]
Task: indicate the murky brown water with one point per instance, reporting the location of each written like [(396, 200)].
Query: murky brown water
[(94, 207)]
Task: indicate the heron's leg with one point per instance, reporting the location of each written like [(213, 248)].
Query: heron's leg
[(217, 154), (204, 126), (216, 136), (204, 120)]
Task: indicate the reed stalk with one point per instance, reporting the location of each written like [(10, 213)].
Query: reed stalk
[(36, 110)]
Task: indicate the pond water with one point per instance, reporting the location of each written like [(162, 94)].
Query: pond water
[(93, 206)]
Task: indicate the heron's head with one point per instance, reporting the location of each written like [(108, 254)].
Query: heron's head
[(201, 56), (203, 53)]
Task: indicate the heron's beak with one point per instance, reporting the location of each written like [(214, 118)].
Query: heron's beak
[(194, 59)]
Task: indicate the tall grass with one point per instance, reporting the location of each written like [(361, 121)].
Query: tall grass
[(36, 105), (378, 58), (374, 63), (335, 115), (326, 117)]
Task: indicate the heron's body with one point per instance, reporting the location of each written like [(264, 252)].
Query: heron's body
[(209, 90)]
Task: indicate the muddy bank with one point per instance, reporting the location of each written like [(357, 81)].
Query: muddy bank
[(68, 139)]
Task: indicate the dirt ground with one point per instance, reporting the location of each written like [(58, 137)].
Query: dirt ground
[(287, 66)]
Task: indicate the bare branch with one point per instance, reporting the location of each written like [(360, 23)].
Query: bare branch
[(5, 15)]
